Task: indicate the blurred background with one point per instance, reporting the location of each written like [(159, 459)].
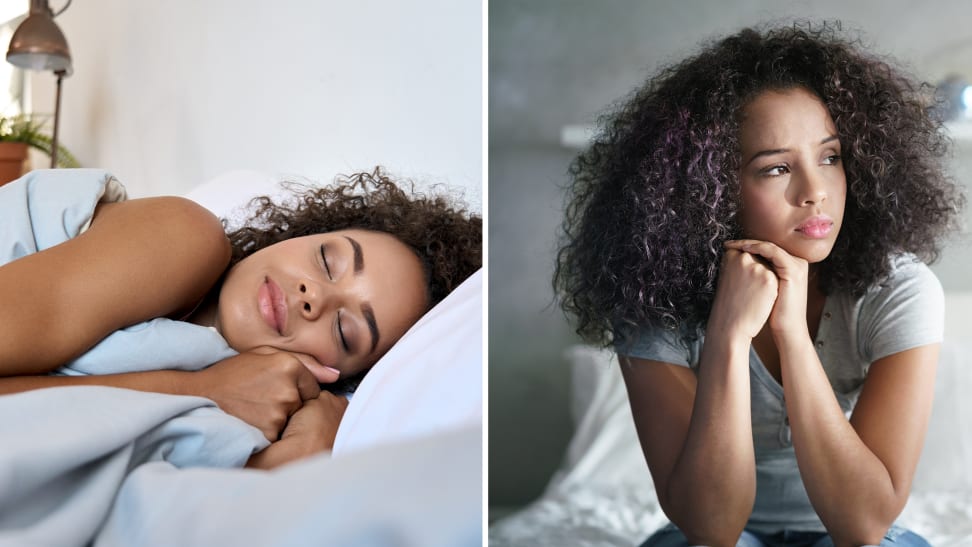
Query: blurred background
[(169, 94), (554, 65)]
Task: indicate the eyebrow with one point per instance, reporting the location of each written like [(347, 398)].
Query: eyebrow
[(366, 310), (358, 257), (369, 315), (776, 151)]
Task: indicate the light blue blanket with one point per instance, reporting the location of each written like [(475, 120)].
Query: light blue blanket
[(47, 207), (118, 468), (65, 452)]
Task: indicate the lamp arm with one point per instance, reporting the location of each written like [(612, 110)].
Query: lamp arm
[(60, 11)]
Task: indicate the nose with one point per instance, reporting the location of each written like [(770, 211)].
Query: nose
[(313, 300), (811, 189)]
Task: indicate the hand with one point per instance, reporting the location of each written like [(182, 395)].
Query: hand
[(311, 430), (316, 423), (263, 387), (789, 314), (745, 295)]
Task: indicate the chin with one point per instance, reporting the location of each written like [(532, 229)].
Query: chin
[(812, 252)]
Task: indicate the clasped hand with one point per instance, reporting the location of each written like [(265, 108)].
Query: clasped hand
[(264, 387), (760, 282)]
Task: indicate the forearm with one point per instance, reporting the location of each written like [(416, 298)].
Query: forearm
[(849, 487), (285, 451), (712, 486), (171, 382)]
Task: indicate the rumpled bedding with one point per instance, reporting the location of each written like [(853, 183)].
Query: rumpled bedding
[(111, 467), (64, 452), (603, 494)]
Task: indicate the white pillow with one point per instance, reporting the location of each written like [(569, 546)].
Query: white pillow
[(604, 451), (228, 194), (428, 382)]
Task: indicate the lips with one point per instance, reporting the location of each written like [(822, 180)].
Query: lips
[(817, 227), (273, 307)]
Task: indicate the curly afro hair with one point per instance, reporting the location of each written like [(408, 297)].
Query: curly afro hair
[(445, 236), (652, 200)]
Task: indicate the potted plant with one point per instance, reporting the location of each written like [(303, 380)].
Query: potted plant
[(17, 134)]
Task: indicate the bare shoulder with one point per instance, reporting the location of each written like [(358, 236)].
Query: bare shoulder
[(171, 243), (167, 215), (139, 259)]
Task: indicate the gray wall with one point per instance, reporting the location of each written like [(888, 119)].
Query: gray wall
[(558, 62)]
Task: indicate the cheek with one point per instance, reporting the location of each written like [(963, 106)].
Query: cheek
[(233, 319), (841, 194), (315, 342), (757, 213)]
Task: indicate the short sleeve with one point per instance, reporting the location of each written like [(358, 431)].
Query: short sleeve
[(655, 344), (905, 312)]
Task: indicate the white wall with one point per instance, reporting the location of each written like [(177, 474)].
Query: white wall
[(167, 94)]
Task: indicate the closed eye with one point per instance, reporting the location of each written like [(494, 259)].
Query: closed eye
[(340, 329), (327, 268)]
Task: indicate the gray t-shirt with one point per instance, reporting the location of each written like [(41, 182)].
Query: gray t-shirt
[(904, 312)]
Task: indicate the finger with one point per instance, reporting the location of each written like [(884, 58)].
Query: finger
[(779, 258), (746, 257), (338, 401), (271, 434), (738, 243), (741, 244), (324, 374), (307, 382)]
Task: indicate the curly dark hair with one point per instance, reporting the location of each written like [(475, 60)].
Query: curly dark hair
[(446, 237), (656, 195)]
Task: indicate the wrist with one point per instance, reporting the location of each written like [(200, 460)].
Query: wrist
[(183, 382), (792, 339), (731, 332)]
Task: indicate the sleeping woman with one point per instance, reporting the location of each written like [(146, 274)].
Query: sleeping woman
[(306, 294)]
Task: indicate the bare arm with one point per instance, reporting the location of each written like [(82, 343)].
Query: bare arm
[(263, 387), (857, 473), (696, 433), (697, 439), (139, 259)]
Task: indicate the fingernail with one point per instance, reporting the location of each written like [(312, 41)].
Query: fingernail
[(334, 370)]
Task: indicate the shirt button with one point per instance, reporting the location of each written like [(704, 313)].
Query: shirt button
[(827, 315), (820, 343)]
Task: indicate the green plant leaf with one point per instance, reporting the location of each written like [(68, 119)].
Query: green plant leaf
[(26, 128)]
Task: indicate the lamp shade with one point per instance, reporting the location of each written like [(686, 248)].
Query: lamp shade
[(38, 44)]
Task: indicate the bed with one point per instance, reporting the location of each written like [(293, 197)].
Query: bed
[(406, 467), (602, 494)]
